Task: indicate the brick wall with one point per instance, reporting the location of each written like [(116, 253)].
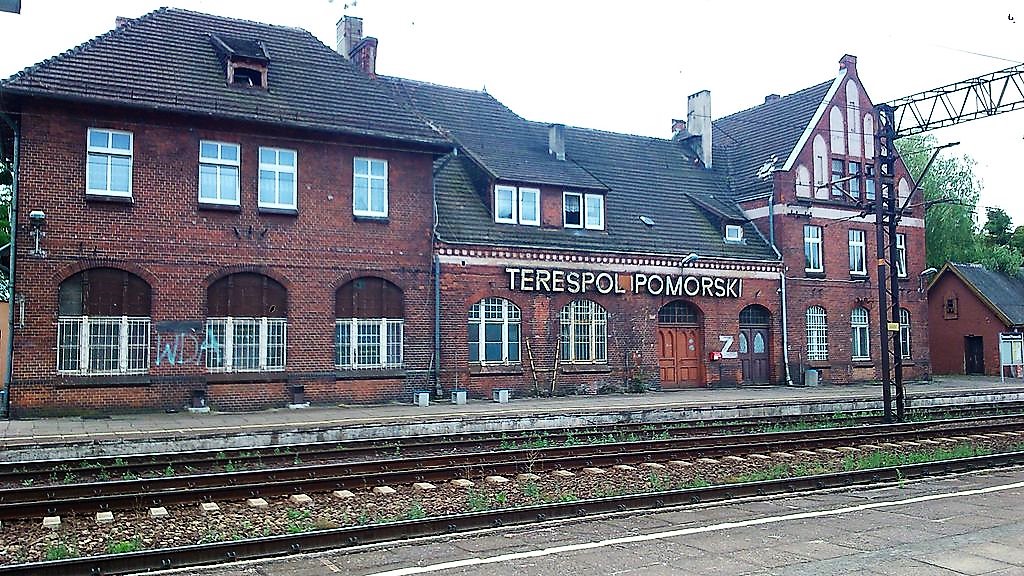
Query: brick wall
[(973, 318), (180, 249)]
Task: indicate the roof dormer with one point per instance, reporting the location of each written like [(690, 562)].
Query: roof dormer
[(245, 61)]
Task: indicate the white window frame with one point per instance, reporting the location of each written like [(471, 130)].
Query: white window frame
[(509, 192), (368, 177), (82, 352), (535, 193), (860, 334), (220, 164), (901, 255), (838, 188), (220, 356), (905, 352), (814, 243), (278, 169), (594, 332), (858, 246), (504, 313), (582, 209), (733, 233), (109, 152), (587, 200), (816, 320), (390, 336), (854, 169)]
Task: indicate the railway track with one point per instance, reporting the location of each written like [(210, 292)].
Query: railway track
[(62, 499), (105, 468)]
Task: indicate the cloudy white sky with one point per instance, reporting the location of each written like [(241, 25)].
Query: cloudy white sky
[(628, 66)]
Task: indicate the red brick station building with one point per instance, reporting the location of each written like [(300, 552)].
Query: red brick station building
[(209, 207)]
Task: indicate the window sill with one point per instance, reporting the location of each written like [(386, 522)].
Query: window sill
[(280, 211), (111, 198), (495, 369), (109, 381), (586, 369), (908, 363), (245, 377), (219, 207), (369, 373), (369, 218), (856, 276)]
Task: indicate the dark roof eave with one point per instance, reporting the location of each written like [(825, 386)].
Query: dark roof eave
[(431, 144)]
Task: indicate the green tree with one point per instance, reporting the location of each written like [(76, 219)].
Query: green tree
[(951, 194), (997, 226), (1017, 239), (1003, 259)]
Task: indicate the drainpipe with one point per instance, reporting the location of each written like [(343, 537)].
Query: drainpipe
[(5, 407), (436, 273), (782, 279)]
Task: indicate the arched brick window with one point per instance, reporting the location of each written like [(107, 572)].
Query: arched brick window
[(584, 332), (369, 324), (493, 332), (246, 324), (860, 330), (103, 323), (817, 333)]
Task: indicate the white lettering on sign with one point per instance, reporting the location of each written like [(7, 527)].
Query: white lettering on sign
[(727, 351), (572, 282)]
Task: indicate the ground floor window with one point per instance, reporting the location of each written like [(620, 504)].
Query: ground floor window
[(103, 345), (584, 332), (904, 334), (493, 332), (369, 343), (859, 331), (817, 333), (245, 344)]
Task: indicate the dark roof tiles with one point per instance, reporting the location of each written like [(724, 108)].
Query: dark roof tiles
[(1005, 292)]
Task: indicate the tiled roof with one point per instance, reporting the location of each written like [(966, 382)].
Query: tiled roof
[(744, 141), (1004, 292), (166, 60), (649, 177), (506, 145)]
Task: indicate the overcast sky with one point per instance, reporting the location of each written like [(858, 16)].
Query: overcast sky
[(628, 66)]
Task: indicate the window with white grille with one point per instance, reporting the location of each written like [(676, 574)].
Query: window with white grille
[(817, 333), (369, 324), (108, 170), (584, 327), (901, 255), (218, 172), (813, 261), (245, 344), (858, 254), (859, 331), (493, 333), (904, 333), (370, 187), (277, 178), (102, 345)]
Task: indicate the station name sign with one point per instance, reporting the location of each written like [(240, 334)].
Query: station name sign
[(576, 282)]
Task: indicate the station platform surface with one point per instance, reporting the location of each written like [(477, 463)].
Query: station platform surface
[(79, 436)]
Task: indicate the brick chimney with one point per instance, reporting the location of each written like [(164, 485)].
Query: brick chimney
[(849, 63), (772, 98), (351, 44), (556, 140), (678, 129), (698, 123), (121, 21)]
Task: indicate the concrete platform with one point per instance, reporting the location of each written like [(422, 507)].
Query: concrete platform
[(160, 432)]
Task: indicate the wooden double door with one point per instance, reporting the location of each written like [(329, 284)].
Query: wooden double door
[(753, 349), (680, 357)]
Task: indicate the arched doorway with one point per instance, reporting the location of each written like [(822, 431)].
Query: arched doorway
[(680, 346), (754, 343)]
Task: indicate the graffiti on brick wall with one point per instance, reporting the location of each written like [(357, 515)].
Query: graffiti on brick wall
[(186, 342)]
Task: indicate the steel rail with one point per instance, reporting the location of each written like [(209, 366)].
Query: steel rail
[(86, 498), (340, 538)]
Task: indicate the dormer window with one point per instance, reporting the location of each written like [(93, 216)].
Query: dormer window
[(583, 210), (516, 205), (245, 61), (733, 233)]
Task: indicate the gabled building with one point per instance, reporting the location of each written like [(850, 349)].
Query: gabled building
[(969, 308), (222, 208)]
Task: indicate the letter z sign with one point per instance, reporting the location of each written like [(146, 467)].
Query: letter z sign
[(727, 351)]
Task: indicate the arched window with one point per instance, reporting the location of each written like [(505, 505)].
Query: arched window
[(755, 315), (817, 333), (246, 324), (584, 334), (859, 330), (904, 333), (369, 325), (494, 332), (680, 313), (103, 323)]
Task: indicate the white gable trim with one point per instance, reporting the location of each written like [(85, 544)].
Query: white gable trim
[(832, 90)]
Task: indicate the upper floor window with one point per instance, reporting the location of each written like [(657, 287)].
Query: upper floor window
[(904, 333), (218, 172), (103, 323), (246, 324), (817, 333), (516, 205), (861, 349), (869, 183), (493, 335), (370, 188), (901, 255), (838, 188), (812, 249), (855, 180), (583, 210), (369, 324), (858, 263), (108, 170), (951, 310), (277, 178), (733, 233), (584, 332)]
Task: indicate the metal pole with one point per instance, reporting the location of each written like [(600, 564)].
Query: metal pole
[(894, 322), (884, 184)]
